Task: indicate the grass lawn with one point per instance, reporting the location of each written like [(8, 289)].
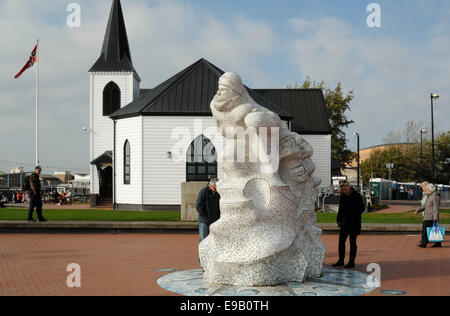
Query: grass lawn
[(93, 215), (127, 216)]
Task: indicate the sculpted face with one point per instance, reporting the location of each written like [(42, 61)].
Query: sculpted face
[(225, 98)]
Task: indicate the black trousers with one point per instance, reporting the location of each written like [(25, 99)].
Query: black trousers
[(35, 202), (343, 236), (427, 224)]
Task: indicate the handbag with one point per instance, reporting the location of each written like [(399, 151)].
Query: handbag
[(436, 233)]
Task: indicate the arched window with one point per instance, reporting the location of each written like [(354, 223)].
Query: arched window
[(111, 99), (126, 163), (201, 160)]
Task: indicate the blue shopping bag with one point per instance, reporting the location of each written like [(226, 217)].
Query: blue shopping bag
[(436, 233)]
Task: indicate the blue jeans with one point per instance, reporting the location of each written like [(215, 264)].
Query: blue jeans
[(203, 230)]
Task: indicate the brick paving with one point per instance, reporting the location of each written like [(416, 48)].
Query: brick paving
[(127, 264)]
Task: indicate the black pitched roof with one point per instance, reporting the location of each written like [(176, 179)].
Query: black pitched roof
[(306, 105), (144, 91), (115, 55), (189, 92), (106, 157)]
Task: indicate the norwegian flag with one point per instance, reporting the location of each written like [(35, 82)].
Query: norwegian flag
[(31, 61)]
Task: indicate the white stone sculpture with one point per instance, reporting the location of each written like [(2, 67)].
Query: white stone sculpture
[(266, 235)]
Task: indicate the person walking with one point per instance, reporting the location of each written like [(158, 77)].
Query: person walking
[(208, 208), (35, 196), (430, 209), (351, 207)]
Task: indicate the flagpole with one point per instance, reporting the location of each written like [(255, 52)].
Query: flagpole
[(37, 102)]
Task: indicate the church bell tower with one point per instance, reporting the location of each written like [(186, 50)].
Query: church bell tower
[(114, 83)]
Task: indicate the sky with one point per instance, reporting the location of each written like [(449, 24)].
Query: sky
[(270, 43)]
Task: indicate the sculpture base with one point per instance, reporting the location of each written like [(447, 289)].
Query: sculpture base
[(332, 283)]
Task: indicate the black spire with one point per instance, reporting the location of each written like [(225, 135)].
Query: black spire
[(115, 54)]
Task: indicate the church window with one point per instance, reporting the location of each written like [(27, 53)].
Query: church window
[(111, 99), (127, 163), (201, 160)]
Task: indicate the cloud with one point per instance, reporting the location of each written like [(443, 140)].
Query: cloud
[(391, 78), (159, 48)]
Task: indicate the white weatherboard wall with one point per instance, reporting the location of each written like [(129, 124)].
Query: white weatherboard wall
[(322, 157), (101, 127), (163, 176), (129, 129)]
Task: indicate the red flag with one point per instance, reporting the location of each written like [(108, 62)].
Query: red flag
[(30, 62)]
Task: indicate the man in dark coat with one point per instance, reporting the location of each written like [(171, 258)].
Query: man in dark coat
[(35, 196), (351, 207), (208, 208)]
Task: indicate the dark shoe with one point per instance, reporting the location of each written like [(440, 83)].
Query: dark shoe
[(436, 246), (43, 220), (422, 246), (350, 265), (338, 264)]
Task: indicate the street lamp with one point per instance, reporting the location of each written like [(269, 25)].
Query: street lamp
[(433, 160), (359, 175), (422, 131)]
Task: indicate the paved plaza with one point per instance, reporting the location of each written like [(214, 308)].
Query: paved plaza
[(131, 264)]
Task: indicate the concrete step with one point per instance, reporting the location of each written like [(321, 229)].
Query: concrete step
[(154, 227)]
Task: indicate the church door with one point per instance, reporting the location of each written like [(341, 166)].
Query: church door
[(106, 180)]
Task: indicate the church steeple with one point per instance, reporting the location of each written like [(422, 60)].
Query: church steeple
[(115, 55)]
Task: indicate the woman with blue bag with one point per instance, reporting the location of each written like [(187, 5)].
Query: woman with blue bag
[(430, 209)]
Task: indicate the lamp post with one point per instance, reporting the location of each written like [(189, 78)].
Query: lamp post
[(433, 159), (422, 131), (390, 166), (358, 162)]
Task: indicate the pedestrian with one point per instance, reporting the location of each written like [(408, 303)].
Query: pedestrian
[(68, 197), (3, 201), (430, 209), (351, 207), (208, 208), (35, 196), (55, 196), (19, 197)]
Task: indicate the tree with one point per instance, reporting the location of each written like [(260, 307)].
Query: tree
[(394, 137), (375, 166), (338, 104), (409, 134), (408, 165), (443, 158)]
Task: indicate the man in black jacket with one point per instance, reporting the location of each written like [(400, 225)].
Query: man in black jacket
[(34, 195), (208, 208), (351, 207)]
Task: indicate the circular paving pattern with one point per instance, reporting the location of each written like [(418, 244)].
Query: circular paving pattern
[(333, 283), (394, 292)]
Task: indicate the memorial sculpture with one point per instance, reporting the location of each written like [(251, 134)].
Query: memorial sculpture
[(266, 235)]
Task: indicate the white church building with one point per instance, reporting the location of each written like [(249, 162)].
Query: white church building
[(142, 140)]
